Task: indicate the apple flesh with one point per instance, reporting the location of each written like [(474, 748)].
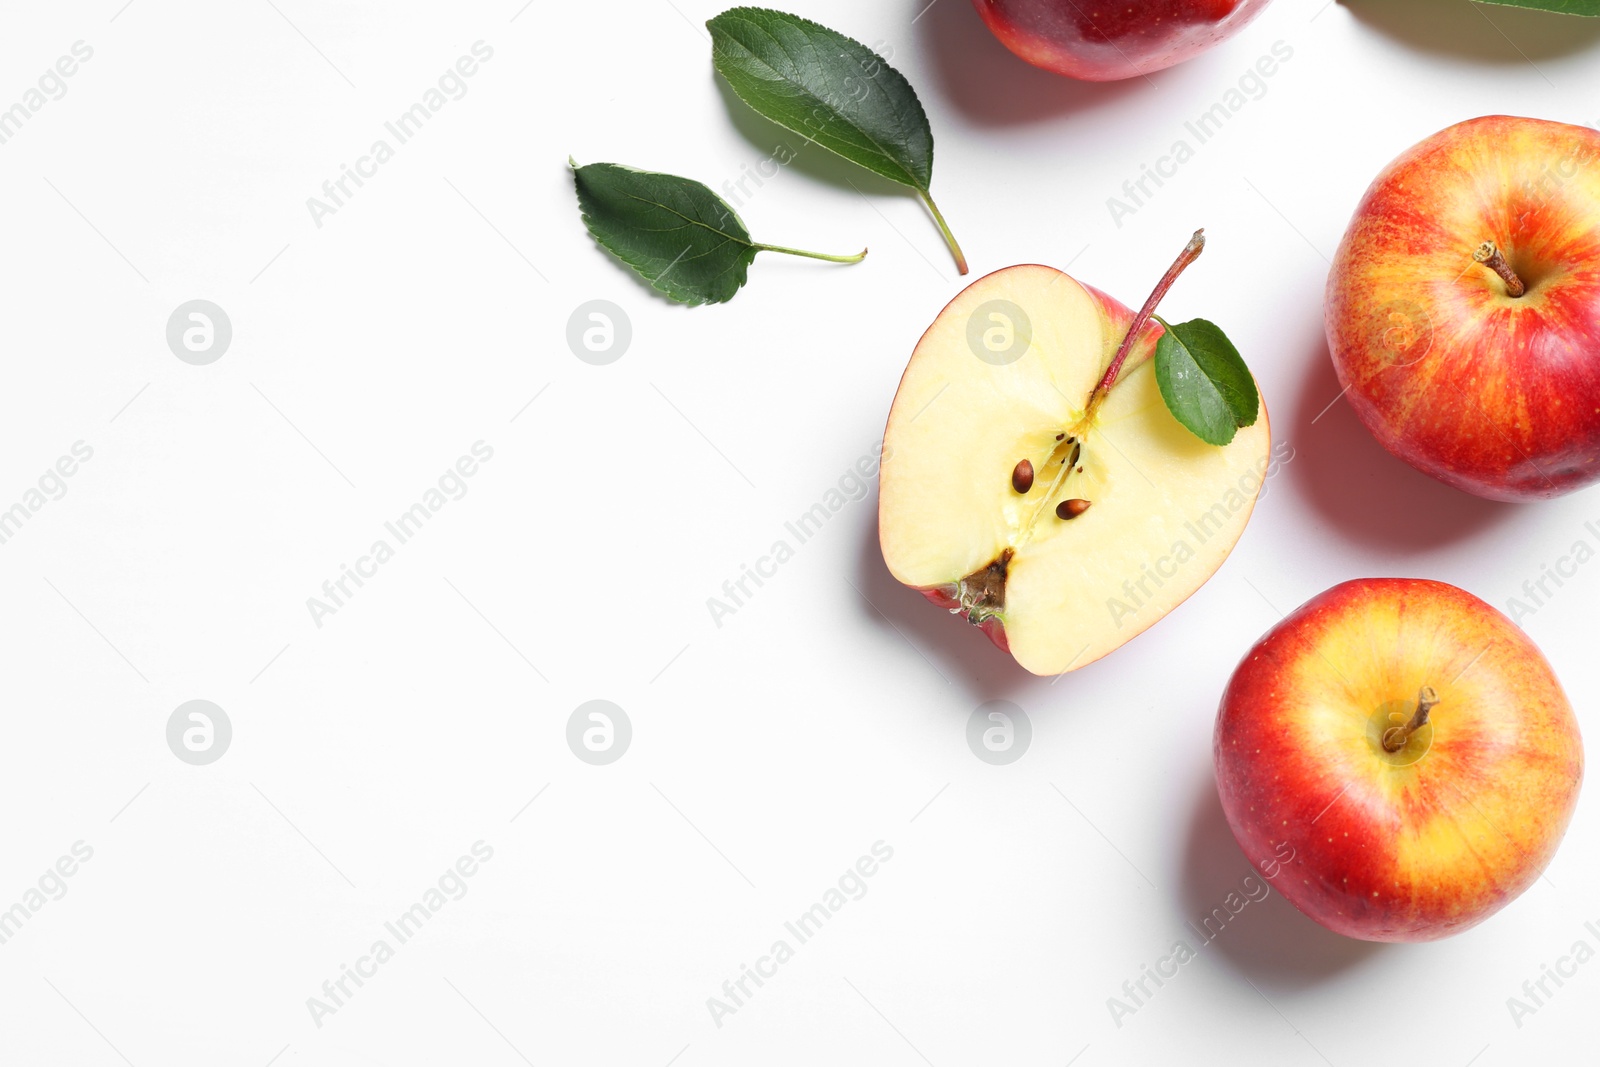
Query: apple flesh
[(1486, 391), (1098, 41), (1374, 825), (1006, 374)]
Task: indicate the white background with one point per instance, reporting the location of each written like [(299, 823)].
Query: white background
[(769, 754)]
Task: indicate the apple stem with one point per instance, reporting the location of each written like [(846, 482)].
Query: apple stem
[(857, 258), (1190, 253), (1490, 256), (944, 228), (1395, 738)]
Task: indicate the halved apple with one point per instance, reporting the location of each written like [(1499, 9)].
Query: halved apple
[(1119, 514)]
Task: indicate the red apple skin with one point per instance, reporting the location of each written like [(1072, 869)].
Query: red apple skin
[(1490, 393), (1373, 850), (1097, 40)]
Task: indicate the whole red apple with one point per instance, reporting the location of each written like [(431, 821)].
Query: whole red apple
[(1399, 758), (1463, 310), (1100, 41)]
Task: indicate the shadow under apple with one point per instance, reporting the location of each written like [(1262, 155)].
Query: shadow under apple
[(991, 85), (1269, 941), (1358, 487), (1493, 34)]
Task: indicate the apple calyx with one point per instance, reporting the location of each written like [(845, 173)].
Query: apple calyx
[(1490, 256), (1190, 253), (1395, 738), (981, 595)]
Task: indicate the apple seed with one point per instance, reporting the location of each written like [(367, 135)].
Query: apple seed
[(1071, 509), (1022, 477)]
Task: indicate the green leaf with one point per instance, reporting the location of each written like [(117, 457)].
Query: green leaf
[(679, 236), (832, 90), (1563, 7), (1204, 381), (828, 87)]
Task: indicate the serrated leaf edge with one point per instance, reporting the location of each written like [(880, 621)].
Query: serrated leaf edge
[(907, 180), (1169, 337), (634, 268)]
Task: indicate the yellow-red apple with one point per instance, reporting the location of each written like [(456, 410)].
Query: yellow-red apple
[(1463, 309), (1409, 748)]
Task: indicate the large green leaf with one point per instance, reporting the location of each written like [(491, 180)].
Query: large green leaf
[(1205, 382), (831, 89)]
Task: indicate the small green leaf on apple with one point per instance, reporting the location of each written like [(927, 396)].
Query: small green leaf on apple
[(1563, 7), (834, 91), (1204, 381), (684, 240)]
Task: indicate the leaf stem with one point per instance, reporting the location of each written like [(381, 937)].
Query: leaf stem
[(944, 228), (857, 258), (1190, 253)]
